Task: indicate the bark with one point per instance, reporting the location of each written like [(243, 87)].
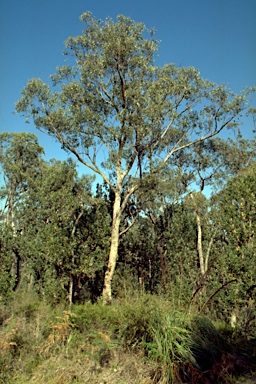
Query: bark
[(10, 215), (70, 290), (199, 244), (203, 267), (203, 260), (17, 264), (113, 254)]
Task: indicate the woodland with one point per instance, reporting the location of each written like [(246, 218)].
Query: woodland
[(149, 275)]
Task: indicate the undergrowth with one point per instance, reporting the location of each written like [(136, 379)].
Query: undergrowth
[(140, 340)]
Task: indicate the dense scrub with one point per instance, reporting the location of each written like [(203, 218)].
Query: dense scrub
[(140, 340)]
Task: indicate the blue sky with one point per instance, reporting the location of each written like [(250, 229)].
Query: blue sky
[(215, 36)]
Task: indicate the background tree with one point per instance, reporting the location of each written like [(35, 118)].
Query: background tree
[(55, 250), (20, 160), (20, 156), (120, 114), (237, 217), (211, 165)]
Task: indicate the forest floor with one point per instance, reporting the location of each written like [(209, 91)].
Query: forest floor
[(138, 341), (247, 380), (119, 368)]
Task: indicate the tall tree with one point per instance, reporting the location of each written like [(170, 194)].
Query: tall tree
[(118, 113)]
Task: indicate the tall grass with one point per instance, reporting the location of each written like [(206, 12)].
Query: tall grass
[(133, 340), (171, 346)]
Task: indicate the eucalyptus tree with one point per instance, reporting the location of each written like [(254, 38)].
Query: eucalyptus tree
[(120, 114), (20, 157)]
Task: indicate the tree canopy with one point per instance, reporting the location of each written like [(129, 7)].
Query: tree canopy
[(126, 118)]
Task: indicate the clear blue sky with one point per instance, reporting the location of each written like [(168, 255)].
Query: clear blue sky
[(218, 37)]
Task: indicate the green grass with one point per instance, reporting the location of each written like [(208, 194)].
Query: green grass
[(141, 340)]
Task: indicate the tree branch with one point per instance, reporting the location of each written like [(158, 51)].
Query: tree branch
[(215, 292), (201, 139), (93, 167)]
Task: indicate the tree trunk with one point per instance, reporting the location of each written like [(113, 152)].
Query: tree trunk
[(113, 254), (202, 263), (199, 244), (16, 269), (70, 290), (17, 262)]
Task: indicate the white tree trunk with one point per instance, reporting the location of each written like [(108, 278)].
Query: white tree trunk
[(113, 254), (202, 263), (70, 290), (203, 266)]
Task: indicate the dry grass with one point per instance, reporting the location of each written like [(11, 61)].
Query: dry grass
[(120, 368), (6, 345), (61, 332), (141, 341)]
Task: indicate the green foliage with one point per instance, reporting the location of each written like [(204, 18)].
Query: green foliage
[(155, 125), (208, 345), (20, 157), (116, 98), (152, 326), (171, 346), (7, 279), (56, 236), (151, 134), (235, 213), (161, 253)]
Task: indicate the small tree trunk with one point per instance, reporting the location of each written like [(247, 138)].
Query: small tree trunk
[(113, 254), (70, 290), (10, 216), (199, 244), (17, 269), (203, 267)]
